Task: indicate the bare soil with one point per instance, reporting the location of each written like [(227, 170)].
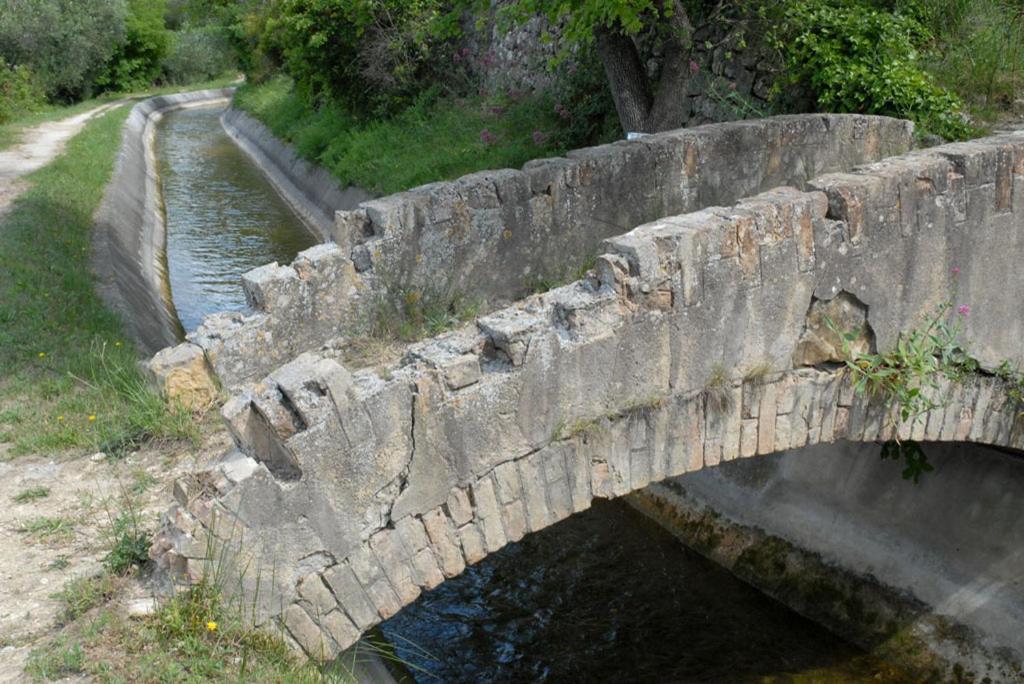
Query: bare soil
[(85, 492)]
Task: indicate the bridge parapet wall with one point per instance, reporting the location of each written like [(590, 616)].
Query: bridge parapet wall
[(678, 352), (489, 235)]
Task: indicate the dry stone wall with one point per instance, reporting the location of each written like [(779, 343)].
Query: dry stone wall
[(361, 490), (489, 234)]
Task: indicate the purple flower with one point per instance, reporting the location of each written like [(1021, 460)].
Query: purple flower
[(456, 58), (956, 270), (694, 67), (562, 112), (963, 309), (539, 137), (497, 110), (486, 137), (514, 94)]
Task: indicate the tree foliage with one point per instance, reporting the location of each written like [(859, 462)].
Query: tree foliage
[(65, 43), (136, 61)]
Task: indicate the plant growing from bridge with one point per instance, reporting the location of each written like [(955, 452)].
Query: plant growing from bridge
[(909, 377)]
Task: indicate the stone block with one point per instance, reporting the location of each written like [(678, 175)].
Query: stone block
[(351, 596), (182, 375)]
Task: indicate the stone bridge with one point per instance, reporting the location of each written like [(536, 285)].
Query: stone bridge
[(698, 338)]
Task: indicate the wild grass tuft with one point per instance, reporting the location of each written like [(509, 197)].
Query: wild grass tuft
[(46, 528), (31, 494)]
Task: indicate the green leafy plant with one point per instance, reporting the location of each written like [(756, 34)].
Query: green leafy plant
[(909, 377), (129, 540), (855, 57)]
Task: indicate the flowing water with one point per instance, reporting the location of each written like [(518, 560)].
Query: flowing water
[(223, 216), (608, 596), (605, 596)]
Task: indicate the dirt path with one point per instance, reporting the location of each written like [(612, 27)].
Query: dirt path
[(47, 541), (40, 145)]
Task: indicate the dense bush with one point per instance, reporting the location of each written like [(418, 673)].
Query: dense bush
[(65, 43), (856, 57), (136, 60), (20, 92), (198, 54), (372, 55)]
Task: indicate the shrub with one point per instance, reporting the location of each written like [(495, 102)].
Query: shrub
[(857, 58), (20, 91), (198, 54), (374, 57)]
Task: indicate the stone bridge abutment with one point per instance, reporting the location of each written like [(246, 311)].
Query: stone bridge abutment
[(695, 340)]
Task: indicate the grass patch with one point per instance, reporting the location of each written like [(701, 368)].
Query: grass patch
[(31, 494), (45, 528), (61, 349), (435, 139), (195, 636), (81, 595)]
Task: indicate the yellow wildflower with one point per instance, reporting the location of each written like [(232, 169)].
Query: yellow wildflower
[(92, 419), (42, 355), (212, 626)]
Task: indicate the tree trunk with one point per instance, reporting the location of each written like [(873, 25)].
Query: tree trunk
[(627, 78), (671, 104)]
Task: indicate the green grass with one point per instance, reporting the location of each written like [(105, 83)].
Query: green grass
[(69, 380), (31, 494), (436, 139), (11, 132), (46, 528)]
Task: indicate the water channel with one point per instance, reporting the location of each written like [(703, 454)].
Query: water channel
[(606, 596), (223, 216)]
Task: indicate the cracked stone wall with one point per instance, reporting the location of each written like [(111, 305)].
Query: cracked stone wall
[(489, 234), (356, 491)]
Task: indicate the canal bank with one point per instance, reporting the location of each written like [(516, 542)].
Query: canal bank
[(929, 575), (129, 236)]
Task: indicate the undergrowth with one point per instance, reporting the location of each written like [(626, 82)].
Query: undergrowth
[(69, 380)]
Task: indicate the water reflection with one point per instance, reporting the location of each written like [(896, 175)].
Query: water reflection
[(223, 217), (607, 596)]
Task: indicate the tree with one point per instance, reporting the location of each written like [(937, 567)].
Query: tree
[(64, 42), (135, 63), (616, 28)]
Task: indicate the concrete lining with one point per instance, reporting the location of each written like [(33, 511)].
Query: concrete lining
[(311, 191), (128, 250), (954, 541)]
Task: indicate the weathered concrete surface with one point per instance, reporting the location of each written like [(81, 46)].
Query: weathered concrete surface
[(489, 234), (311, 191), (129, 236), (954, 541), (364, 489)]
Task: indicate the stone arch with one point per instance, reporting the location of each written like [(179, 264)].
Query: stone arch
[(676, 353)]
